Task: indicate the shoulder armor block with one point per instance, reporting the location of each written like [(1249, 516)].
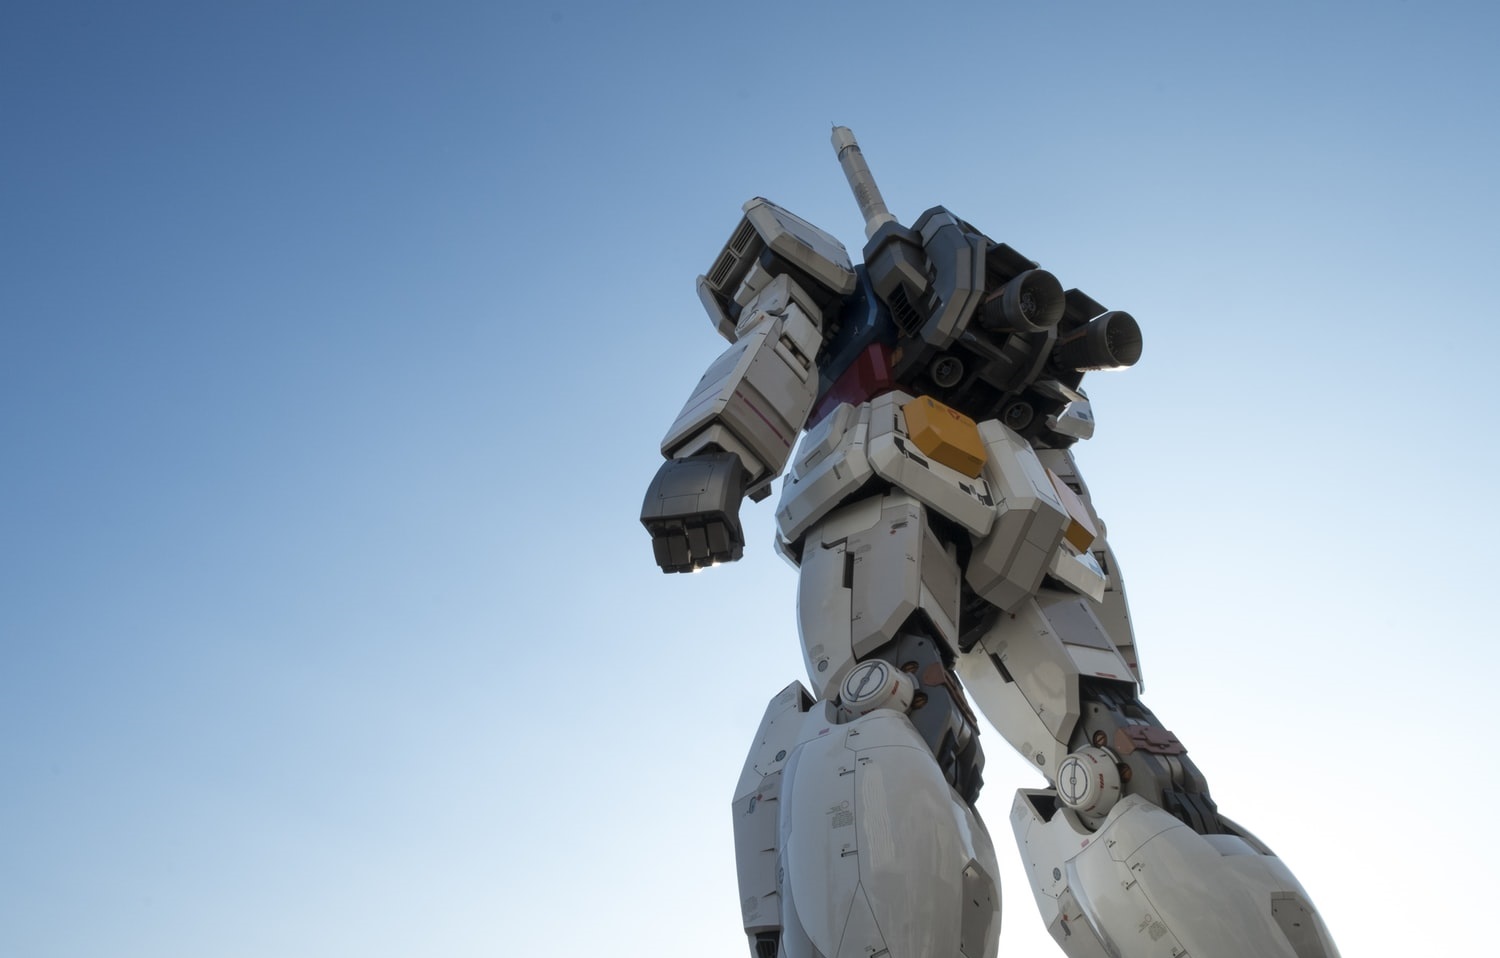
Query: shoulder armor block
[(767, 242)]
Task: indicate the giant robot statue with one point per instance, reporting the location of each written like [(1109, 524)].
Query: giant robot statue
[(948, 553)]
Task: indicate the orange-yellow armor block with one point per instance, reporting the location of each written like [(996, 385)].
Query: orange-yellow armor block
[(945, 435)]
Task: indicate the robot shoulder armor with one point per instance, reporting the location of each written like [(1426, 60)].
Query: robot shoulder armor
[(770, 241)]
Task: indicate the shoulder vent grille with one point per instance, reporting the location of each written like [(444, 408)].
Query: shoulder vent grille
[(722, 269), (742, 237), (902, 312)]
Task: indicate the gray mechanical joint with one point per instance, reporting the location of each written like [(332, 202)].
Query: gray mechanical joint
[(1152, 763), (939, 710)]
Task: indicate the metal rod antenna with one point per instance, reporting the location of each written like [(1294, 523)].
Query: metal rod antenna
[(857, 172)]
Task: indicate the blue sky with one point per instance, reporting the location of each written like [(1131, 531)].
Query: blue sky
[(336, 342)]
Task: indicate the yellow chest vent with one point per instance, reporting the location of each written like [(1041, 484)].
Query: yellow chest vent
[(945, 435)]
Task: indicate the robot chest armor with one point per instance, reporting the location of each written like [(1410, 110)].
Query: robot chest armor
[(979, 374)]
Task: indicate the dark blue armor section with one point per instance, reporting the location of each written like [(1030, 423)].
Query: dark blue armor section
[(862, 322)]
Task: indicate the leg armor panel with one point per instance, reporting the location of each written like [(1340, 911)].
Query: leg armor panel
[(1145, 885), (868, 570), (851, 842), (1113, 611), (1026, 672)]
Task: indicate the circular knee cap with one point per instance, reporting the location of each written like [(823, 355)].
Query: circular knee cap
[(876, 684), (1088, 782)]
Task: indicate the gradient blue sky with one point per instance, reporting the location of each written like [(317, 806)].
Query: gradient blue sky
[(336, 341)]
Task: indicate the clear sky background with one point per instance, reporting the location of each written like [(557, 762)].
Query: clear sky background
[(336, 342)]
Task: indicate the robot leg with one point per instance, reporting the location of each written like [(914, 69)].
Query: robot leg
[(1129, 856), (1145, 884), (851, 843), (854, 822)]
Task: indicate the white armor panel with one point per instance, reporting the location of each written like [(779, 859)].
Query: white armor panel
[(853, 444), (869, 800), (893, 456), (1078, 571), (755, 397), (1007, 708), (829, 467), (757, 798), (1112, 609), (1043, 647), (1147, 886), (737, 275), (865, 824), (850, 445), (866, 568), (1008, 564)]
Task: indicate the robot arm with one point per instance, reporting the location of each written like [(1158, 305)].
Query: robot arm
[(735, 432), (767, 293), (755, 397)]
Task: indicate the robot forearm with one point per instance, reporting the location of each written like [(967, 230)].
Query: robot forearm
[(756, 396)]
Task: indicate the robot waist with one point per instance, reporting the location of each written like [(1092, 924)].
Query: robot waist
[(914, 444)]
